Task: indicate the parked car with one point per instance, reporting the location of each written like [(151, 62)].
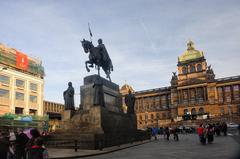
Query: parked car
[(232, 125)]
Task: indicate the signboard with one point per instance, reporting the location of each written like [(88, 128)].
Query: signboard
[(21, 60)]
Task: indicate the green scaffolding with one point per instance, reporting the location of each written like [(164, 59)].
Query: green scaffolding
[(10, 60)]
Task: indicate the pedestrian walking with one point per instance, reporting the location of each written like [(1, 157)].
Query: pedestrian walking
[(218, 129), (167, 132), (210, 133), (175, 134), (154, 132), (224, 128), (201, 134), (21, 141), (38, 151), (4, 144)]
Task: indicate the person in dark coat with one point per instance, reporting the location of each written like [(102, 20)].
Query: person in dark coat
[(224, 128), (4, 146), (35, 134), (38, 151), (210, 133), (167, 132), (21, 141), (218, 129)]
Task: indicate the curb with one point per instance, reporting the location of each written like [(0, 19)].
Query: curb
[(102, 153)]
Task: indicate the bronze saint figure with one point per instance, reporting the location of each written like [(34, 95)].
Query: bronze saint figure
[(130, 102), (98, 92), (68, 96)]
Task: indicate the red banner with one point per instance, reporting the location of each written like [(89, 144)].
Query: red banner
[(22, 60)]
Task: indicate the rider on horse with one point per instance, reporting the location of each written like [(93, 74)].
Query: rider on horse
[(104, 53)]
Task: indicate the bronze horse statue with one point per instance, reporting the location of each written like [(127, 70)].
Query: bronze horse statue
[(98, 56)]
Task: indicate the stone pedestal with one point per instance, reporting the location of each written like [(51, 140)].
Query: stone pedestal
[(100, 122), (98, 91), (67, 114)]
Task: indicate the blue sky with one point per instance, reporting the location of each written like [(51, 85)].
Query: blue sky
[(143, 37)]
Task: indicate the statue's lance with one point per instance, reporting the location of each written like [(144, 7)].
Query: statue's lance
[(90, 32)]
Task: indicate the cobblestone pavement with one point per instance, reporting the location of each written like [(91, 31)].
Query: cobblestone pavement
[(224, 147)]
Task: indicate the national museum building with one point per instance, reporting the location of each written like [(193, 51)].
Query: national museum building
[(21, 83), (194, 93)]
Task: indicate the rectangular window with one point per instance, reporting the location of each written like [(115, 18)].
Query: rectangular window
[(4, 79), (33, 86), (33, 99), (236, 92), (20, 83), (32, 112), (235, 88), (18, 110), (4, 93), (227, 89), (19, 96)]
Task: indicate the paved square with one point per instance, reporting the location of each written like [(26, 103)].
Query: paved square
[(224, 147)]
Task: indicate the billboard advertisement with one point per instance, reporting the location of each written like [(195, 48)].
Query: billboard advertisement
[(21, 60)]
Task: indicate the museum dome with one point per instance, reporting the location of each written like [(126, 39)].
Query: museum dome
[(125, 88), (191, 53)]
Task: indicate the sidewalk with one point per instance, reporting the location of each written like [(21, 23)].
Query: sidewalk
[(70, 153)]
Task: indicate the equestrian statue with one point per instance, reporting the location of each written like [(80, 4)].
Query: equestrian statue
[(98, 57)]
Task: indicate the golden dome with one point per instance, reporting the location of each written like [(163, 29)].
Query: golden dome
[(125, 88), (190, 53)]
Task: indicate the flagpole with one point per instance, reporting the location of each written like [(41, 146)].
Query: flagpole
[(90, 32)]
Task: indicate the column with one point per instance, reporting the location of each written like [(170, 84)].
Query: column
[(40, 99), (12, 94), (195, 95), (231, 88), (179, 97), (223, 94), (216, 94), (204, 94), (26, 98)]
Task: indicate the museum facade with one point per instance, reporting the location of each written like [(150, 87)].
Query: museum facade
[(194, 93)]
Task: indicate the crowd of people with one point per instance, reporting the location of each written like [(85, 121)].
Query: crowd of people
[(207, 132), (166, 132), (20, 145)]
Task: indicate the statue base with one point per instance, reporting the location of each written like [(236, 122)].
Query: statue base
[(67, 114), (97, 128), (101, 92), (101, 122)]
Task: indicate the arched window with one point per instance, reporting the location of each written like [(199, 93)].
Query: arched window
[(184, 70), (201, 110), (199, 67), (185, 111), (157, 115), (193, 111), (140, 117), (192, 68), (152, 117)]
